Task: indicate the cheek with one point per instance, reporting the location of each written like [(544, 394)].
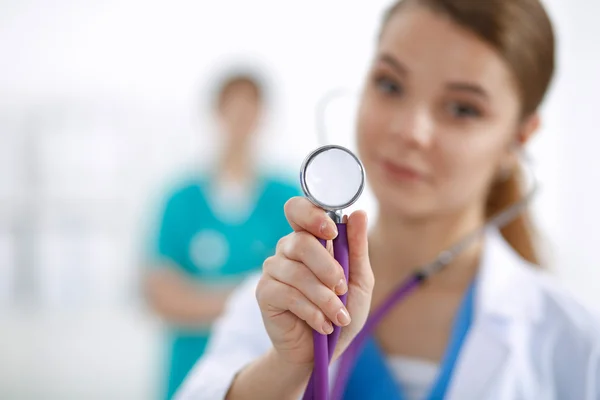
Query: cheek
[(467, 169)]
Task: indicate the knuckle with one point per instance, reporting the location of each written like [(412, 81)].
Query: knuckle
[(333, 273), (315, 316), (367, 283), (330, 304), (261, 292), (282, 242), (370, 280), (296, 247), (294, 301), (304, 239), (270, 263), (296, 273)]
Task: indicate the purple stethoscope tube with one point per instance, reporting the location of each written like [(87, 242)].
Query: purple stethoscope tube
[(332, 178), (348, 359), (324, 345), (352, 178)]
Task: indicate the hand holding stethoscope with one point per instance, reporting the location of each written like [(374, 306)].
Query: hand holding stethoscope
[(299, 283)]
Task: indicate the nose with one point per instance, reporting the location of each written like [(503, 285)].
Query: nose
[(413, 125)]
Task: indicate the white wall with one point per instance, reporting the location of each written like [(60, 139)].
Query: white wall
[(105, 91)]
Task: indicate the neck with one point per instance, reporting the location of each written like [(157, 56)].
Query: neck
[(399, 246), (235, 163)]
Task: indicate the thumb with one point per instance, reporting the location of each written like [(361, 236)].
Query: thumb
[(361, 273)]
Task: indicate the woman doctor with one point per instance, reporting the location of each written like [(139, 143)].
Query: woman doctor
[(450, 100)]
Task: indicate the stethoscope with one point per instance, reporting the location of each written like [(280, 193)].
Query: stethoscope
[(333, 178)]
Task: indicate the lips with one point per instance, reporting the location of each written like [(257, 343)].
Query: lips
[(400, 172)]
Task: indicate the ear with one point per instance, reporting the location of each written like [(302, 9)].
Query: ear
[(525, 132), (527, 129)]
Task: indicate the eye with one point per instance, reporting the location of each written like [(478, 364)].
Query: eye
[(387, 86), (462, 110)]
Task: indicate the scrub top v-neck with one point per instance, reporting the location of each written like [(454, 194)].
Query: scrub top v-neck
[(372, 379)]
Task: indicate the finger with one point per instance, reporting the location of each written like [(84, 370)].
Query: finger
[(277, 296), (361, 273), (306, 249), (281, 243), (303, 215), (297, 275)]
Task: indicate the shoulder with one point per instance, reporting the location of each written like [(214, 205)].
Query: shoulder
[(520, 290), (537, 300), (559, 307), (281, 185), (567, 339), (183, 190), (561, 335), (564, 334)]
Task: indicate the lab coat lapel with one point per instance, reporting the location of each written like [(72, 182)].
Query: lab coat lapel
[(483, 356), (503, 302)]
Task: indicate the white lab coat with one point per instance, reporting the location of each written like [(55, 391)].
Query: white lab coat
[(529, 339)]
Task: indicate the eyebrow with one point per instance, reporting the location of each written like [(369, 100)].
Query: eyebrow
[(468, 87), (394, 63)]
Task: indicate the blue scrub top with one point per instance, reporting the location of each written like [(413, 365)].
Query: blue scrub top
[(371, 378), (198, 243)]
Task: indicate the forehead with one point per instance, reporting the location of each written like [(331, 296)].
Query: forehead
[(433, 46), (239, 87)]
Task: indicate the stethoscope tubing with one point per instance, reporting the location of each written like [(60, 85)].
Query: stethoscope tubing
[(324, 345)]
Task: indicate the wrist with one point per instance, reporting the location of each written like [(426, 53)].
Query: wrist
[(270, 377), (292, 370)]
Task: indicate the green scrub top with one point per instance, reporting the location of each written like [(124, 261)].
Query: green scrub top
[(207, 248)]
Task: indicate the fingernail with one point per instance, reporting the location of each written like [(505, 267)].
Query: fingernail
[(341, 287), (329, 229), (327, 327), (343, 317)]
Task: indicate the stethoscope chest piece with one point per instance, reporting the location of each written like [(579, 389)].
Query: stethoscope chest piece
[(332, 178)]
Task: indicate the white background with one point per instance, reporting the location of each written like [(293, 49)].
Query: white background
[(99, 107)]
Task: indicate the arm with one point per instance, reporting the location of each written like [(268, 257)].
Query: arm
[(593, 374), (256, 381), (166, 285), (180, 302)]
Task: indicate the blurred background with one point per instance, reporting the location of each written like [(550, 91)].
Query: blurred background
[(102, 102)]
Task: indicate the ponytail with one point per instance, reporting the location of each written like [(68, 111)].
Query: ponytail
[(519, 233)]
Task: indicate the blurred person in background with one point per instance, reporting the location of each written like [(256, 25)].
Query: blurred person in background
[(450, 101), (216, 228)]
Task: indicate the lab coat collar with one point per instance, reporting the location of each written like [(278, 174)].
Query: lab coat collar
[(506, 301)]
